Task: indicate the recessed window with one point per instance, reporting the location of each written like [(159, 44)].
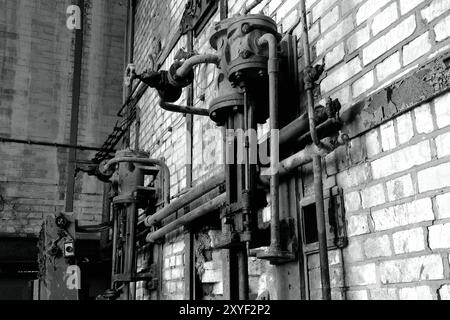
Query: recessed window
[(310, 224)]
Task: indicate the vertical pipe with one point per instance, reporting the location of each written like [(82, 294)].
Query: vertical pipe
[(317, 165), (129, 58), (114, 251), (74, 117), (273, 65), (321, 228), (189, 281), (242, 258), (106, 215)]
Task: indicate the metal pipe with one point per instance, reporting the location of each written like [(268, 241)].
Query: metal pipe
[(247, 8), (273, 69), (317, 165), (74, 116), (52, 144), (185, 200), (129, 58), (155, 162), (195, 214), (183, 109), (190, 63)]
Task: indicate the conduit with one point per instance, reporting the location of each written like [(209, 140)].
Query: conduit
[(190, 63), (183, 109), (273, 70), (188, 218), (317, 165), (192, 195)]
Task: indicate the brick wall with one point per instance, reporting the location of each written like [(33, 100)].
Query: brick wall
[(395, 177), (36, 62)]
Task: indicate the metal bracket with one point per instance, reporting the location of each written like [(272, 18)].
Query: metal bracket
[(196, 14)]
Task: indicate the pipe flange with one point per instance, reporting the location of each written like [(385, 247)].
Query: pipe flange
[(221, 107), (176, 81)]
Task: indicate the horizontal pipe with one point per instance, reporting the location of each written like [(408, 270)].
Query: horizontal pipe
[(157, 162), (183, 109), (303, 157), (192, 195), (190, 63), (195, 214), (52, 144)]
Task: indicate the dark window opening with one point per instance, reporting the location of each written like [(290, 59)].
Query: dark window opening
[(310, 224)]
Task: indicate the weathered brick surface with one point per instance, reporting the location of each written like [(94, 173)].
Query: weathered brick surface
[(36, 50), (395, 177)]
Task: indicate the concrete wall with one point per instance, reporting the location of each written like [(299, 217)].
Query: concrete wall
[(36, 68), (395, 177)]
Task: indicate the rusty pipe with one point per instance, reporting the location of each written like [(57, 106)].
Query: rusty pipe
[(155, 162), (183, 109), (192, 195), (317, 166), (247, 8), (273, 70), (188, 218), (190, 63)]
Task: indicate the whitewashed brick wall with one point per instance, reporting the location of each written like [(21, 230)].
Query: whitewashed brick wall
[(396, 178)]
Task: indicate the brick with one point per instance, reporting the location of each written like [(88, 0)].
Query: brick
[(409, 241), (352, 201), (363, 84), (329, 19), (388, 66), (354, 176), (373, 145), (357, 225), (358, 295), (354, 251), (442, 109), (416, 48), (396, 35), (444, 292), (377, 247), (424, 119), (358, 39), (400, 188), (334, 35), (435, 9), (439, 236), (405, 130), (402, 160), (403, 215), (416, 293), (434, 178), (383, 294), (361, 275), (334, 56), (422, 268), (320, 8), (349, 5), (442, 29), (384, 19), (341, 75), (443, 206), (388, 136), (368, 9), (443, 145), (373, 196), (408, 5)]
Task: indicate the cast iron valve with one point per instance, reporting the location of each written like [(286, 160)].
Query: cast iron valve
[(332, 108), (62, 222)]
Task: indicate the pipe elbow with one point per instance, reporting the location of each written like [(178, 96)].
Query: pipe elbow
[(189, 64)]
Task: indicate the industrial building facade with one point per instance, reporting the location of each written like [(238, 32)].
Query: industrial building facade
[(348, 196)]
